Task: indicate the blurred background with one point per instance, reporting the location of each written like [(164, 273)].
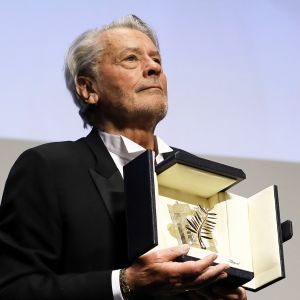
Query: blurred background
[(233, 72)]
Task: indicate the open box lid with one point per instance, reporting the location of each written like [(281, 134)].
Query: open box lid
[(179, 172), (179, 169)]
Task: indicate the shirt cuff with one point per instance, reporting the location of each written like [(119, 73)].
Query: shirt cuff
[(115, 285)]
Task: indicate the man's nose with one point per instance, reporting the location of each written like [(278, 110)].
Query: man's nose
[(152, 68)]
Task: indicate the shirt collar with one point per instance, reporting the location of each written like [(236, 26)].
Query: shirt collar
[(126, 148)]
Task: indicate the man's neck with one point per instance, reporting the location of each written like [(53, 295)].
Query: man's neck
[(145, 138)]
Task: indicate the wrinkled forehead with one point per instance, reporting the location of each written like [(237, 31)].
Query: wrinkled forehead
[(116, 39)]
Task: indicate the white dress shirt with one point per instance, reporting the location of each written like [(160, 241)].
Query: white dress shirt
[(122, 151)]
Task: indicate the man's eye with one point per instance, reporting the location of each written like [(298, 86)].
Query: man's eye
[(157, 60), (131, 58)]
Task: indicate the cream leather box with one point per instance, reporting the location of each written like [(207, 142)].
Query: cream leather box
[(185, 200)]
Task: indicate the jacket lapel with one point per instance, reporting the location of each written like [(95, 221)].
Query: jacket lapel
[(107, 177), (111, 190)]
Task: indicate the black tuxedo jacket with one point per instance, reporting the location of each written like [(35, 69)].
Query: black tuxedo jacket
[(62, 226)]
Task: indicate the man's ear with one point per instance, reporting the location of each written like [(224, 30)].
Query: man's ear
[(84, 88)]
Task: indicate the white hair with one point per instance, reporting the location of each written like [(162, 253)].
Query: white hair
[(84, 53)]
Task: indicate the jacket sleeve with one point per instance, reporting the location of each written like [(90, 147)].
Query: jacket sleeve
[(31, 239)]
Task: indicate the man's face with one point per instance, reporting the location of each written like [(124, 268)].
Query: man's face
[(131, 85)]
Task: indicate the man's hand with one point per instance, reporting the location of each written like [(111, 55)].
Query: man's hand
[(156, 273)]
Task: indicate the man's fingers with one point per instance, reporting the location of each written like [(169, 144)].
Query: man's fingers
[(195, 278), (172, 253), (213, 272), (166, 255), (195, 268), (206, 279), (158, 272), (189, 273)]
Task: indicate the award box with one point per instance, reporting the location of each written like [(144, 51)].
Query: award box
[(185, 200)]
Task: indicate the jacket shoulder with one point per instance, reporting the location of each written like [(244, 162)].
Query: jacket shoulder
[(57, 154)]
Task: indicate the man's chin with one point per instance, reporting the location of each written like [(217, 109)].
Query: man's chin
[(143, 113), (155, 113), (154, 103)]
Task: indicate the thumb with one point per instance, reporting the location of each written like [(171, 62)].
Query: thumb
[(170, 254)]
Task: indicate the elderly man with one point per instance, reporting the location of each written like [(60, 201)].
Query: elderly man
[(62, 225)]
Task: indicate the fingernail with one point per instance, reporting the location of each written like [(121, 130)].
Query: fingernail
[(213, 256)]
